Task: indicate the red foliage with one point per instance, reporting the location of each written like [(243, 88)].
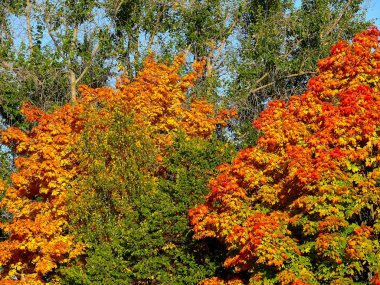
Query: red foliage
[(302, 204)]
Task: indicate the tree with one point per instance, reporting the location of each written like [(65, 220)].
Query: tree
[(147, 161), (201, 29), (253, 49), (35, 199), (138, 229), (48, 166), (48, 48), (280, 44), (301, 207)]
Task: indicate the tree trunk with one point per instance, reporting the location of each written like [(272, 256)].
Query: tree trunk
[(29, 26), (73, 86)]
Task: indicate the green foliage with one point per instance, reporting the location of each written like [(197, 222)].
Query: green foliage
[(132, 211), (5, 164)]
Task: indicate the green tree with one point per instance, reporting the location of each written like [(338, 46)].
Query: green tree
[(48, 48), (138, 230), (146, 158)]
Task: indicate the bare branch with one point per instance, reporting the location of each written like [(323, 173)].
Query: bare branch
[(52, 36), (157, 24), (187, 50), (47, 19), (73, 87), (71, 74), (88, 64), (21, 73), (285, 77), (211, 63), (262, 78), (74, 40), (92, 57)]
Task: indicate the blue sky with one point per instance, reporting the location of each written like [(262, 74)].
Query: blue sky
[(374, 11)]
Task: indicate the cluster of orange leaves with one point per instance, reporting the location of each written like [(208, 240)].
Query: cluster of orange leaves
[(47, 163), (156, 99), (301, 206)]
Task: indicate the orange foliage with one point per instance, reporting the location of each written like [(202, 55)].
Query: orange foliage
[(308, 192), (47, 163), (157, 99), (219, 281), (36, 197)]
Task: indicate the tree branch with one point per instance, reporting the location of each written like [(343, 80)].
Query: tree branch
[(88, 63), (211, 63), (71, 74), (21, 73), (273, 82), (29, 26), (329, 31), (92, 57)]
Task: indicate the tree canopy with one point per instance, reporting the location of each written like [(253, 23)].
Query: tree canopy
[(301, 206), (140, 183), (49, 169)]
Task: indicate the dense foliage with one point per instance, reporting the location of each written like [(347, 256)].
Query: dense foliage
[(280, 43), (35, 200), (132, 211), (142, 177), (49, 169), (301, 207), (134, 184)]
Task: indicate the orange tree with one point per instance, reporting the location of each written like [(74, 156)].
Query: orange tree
[(302, 206), (35, 199), (48, 167)]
